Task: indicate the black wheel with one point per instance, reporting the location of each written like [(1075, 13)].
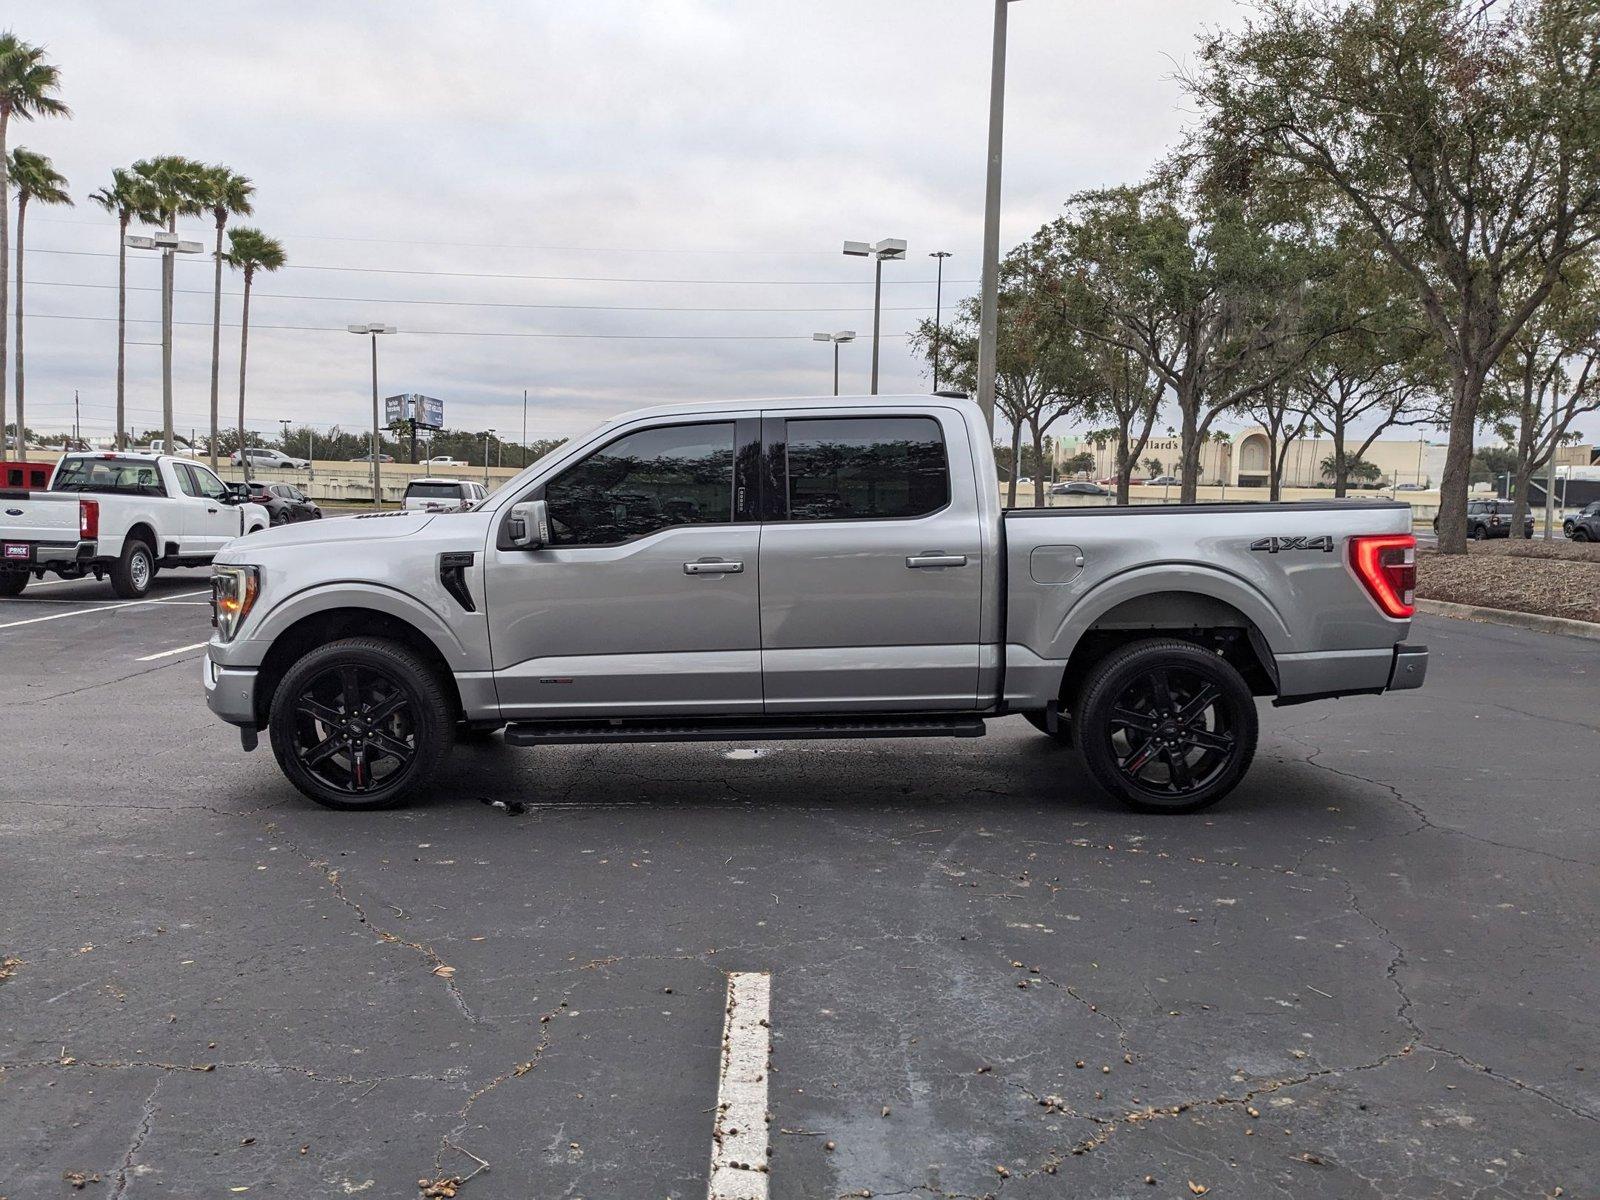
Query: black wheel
[(1580, 534), (12, 582), (1062, 734), (360, 723), (134, 569), (1166, 726), (1476, 533)]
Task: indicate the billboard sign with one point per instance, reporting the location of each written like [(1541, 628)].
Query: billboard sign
[(427, 411)]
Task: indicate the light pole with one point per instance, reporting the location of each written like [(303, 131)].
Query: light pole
[(373, 330), (524, 426), (844, 335), (938, 310), (488, 436), (888, 248), (284, 421), (988, 314), (170, 244)]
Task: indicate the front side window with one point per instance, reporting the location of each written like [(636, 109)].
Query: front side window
[(861, 468), (647, 481), (210, 486), (186, 482)]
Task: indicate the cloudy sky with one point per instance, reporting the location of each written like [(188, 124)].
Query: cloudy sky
[(607, 203)]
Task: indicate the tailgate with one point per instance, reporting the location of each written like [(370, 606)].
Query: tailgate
[(28, 517)]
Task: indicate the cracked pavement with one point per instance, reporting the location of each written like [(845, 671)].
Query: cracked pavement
[(1369, 973)]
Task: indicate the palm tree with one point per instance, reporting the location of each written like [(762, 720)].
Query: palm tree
[(128, 197), (37, 180), (175, 185), (249, 250), (226, 194), (27, 90)]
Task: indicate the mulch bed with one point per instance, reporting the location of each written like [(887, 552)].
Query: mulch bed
[(1554, 579)]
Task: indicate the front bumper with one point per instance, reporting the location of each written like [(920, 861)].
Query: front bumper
[(230, 691), (1410, 667)]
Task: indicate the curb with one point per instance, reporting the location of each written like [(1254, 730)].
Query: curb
[(1517, 620)]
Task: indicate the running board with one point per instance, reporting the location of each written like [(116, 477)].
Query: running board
[(751, 729)]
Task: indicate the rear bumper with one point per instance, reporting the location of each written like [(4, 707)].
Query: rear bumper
[(230, 691), (1322, 676), (47, 555), (1410, 667)]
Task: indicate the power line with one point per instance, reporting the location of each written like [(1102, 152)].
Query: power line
[(260, 295), (543, 278)]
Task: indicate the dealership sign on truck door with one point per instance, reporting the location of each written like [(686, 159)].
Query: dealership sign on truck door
[(426, 411)]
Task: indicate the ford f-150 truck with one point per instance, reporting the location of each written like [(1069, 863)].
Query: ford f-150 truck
[(119, 514), (816, 568)]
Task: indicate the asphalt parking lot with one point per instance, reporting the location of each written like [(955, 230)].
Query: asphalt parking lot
[(1368, 973)]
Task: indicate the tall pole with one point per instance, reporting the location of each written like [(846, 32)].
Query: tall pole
[(877, 303), (487, 437), (835, 366), (524, 426), (938, 310), (166, 341), (377, 441), (989, 318)]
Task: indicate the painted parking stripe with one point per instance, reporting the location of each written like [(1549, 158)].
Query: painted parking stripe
[(170, 653), (79, 612), (739, 1136)]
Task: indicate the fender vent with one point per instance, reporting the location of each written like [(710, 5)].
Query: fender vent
[(453, 575)]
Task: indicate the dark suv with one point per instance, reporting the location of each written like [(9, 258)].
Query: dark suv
[(1584, 525), (1491, 519), (285, 503)]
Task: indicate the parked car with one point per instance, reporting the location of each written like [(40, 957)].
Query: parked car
[(1584, 525), (382, 458), (442, 460), (1410, 487), (1490, 519), (285, 503), (802, 569), (157, 446), (273, 460), (1078, 489), (123, 515), (1163, 480), (443, 495)]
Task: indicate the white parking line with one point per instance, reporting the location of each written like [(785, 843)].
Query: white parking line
[(170, 653), (101, 608), (739, 1136)]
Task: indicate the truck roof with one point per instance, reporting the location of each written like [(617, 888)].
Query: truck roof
[(781, 402)]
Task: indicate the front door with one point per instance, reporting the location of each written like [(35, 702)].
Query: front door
[(644, 602), (871, 563), (207, 521)]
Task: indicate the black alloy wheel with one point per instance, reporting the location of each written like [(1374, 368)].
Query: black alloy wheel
[(360, 723), (1167, 726)]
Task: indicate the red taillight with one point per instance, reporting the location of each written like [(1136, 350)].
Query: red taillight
[(1386, 564), (88, 520)]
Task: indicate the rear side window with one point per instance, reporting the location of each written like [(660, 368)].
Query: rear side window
[(862, 468), (647, 481), (434, 491), (108, 475)]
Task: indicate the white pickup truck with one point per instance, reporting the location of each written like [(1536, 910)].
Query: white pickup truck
[(119, 514)]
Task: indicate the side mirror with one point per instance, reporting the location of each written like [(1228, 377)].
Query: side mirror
[(529, 526)]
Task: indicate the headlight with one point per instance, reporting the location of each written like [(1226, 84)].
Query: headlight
[(233, 595)]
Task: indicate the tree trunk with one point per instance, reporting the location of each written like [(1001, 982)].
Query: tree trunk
[(216, 338), (1274, 470), (122, 330), (1125, 465), (22, 423), (244, 347), (1188, 456), (1519, 502), (1016, 455), (1341, 464), (1038, 463), (1458, 463), (5, 275)]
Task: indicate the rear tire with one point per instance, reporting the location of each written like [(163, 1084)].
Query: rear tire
[(12, 582), (133, 571), (360, 724), (1166, 726), (1580, 534)]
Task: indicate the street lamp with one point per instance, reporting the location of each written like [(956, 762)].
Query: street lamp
[(844, 335), (889, 248), (988, 315), (373, 331), (938, 306), (488, 436), (170, 244)]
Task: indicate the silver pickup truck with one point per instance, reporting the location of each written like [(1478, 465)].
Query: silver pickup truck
[(820, 568)]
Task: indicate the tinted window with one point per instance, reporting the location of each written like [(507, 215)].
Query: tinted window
[(434, 491), (650, 480), (864, 467), (186, 481), (108, 475), (210, 486)]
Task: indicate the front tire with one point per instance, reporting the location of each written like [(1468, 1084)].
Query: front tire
[(360, 723), (1580, 534), (134, 570), (1166, 726)]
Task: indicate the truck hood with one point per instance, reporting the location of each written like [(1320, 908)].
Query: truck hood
[(365, 528)]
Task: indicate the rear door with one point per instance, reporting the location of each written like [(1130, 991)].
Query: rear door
[(645, 601), (871, 562)]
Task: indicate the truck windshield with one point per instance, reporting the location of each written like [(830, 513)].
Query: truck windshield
[(129, 476)]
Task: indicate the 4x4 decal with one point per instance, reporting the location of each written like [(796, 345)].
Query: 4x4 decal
[(1274, 544)]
